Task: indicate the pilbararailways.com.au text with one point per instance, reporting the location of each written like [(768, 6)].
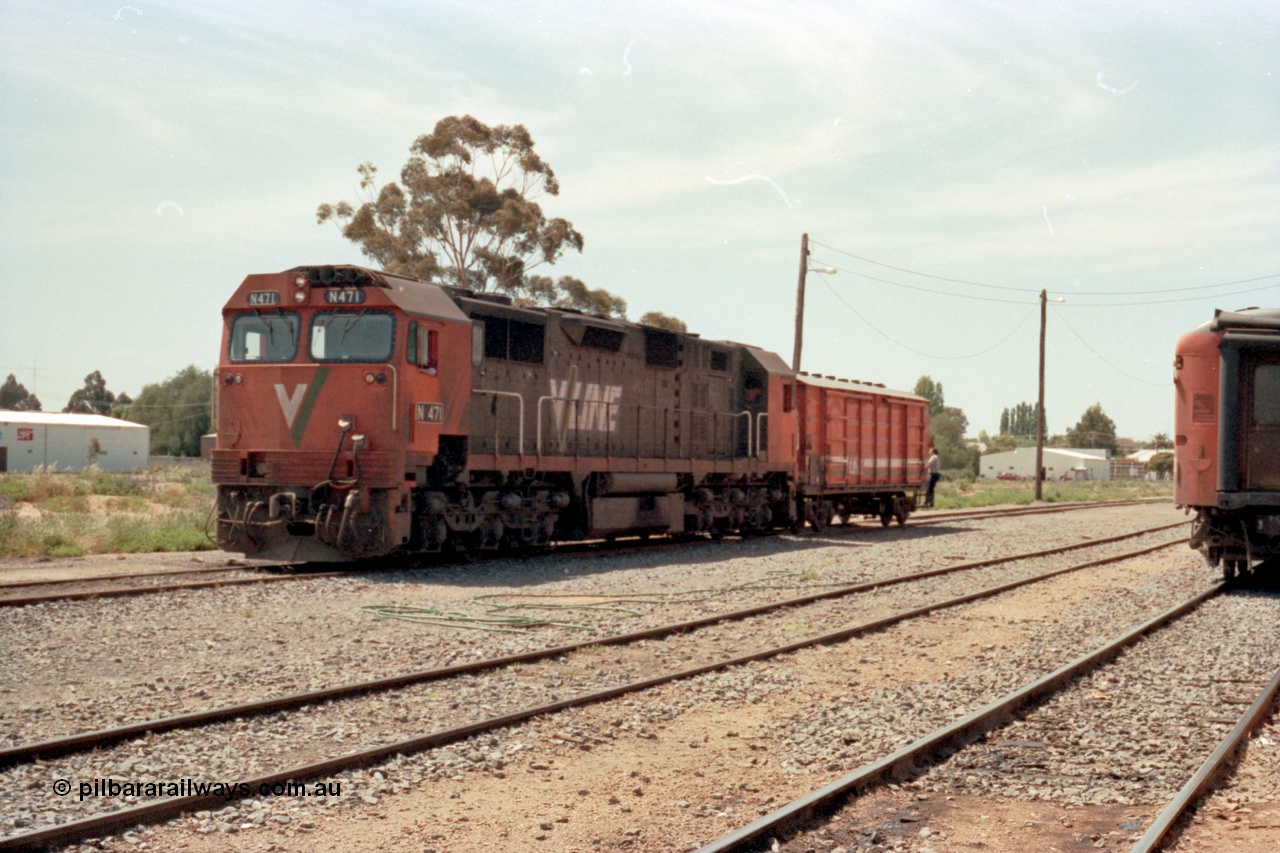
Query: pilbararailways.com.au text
[(111, 788)]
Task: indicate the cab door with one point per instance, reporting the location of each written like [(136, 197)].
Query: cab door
[(1260, 441)]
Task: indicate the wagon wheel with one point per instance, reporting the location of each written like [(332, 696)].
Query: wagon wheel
[(1228, 571), (900, 512), (886, 513)]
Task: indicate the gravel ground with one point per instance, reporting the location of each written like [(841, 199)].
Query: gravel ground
[(213, 643), (1130, 734)]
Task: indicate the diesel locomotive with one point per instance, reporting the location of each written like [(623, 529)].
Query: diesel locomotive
[(361, 414), (1227, 444)]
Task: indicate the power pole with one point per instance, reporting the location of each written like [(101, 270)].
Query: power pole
[(1044, 298), (804, 268)]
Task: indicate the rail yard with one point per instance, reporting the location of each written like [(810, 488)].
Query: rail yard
[(693, 695)]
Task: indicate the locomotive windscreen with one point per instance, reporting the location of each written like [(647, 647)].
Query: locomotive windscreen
[(264, 337), (363, 336)]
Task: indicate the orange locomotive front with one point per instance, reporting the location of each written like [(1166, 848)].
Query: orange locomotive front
[(334, 386)]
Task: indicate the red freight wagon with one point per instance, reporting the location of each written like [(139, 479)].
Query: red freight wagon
[(862, 449)]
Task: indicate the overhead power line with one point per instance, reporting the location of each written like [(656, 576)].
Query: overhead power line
[(891, 339), (1103, 293)]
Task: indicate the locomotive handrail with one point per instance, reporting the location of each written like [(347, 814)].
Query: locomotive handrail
[(747, 415), (519, 397), (760, 418), (395, 397)]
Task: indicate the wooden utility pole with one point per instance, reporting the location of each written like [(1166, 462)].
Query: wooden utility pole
[(1044, 298), (804, 269)]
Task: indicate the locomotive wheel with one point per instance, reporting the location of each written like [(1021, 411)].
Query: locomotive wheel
[(1228, 571)]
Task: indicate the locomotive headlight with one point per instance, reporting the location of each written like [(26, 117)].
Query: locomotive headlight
[(238, 379), (368, 379), (300, 280), (299, 296)]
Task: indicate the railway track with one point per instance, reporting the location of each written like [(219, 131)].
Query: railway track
[(92, 826), (1162, 828), (802, 823), (12, 594)]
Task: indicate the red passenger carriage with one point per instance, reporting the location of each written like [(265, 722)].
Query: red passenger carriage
[(1227, 446)]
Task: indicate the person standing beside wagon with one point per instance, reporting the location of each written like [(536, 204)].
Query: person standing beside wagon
[(935, 474)]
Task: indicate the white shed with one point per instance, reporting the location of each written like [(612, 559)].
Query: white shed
[(30, 440), (1059, 463)]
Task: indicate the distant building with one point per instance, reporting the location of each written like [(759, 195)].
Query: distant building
[(1059, 464), (30, 440)]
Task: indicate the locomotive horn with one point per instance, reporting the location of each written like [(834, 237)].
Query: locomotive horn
[(327, 275)]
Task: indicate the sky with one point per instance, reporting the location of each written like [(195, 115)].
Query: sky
[(949, 160)]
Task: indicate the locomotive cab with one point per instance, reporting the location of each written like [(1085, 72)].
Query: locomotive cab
[(335, 387), (1227, 446)]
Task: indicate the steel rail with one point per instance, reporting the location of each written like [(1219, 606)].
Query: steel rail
[(131, 575), (982, 512), (1153, 839), (175, 806), (171, 587), (908, 760), (561, 550), (24, 753)]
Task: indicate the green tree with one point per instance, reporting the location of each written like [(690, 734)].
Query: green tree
[(947, 424), (948, 427), (177, 410), (663, 321), (570, 292), (1161, 464), (997, 443), (94, 398), (1020, 421), (931, 391), (466, 209), (1160, 441), (1094, 429), (14, 397)]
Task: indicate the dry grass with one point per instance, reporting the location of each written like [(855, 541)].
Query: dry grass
[(70, 513)]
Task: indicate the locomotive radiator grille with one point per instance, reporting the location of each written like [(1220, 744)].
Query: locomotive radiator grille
[(300, 468)]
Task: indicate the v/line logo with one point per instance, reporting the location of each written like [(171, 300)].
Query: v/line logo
[(586, 406)]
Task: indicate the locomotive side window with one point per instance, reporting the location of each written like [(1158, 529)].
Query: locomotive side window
[(512, 340), (1266, 395), (264, 337), (361, 336), (605, 339), (661, 349), (420, 348)]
